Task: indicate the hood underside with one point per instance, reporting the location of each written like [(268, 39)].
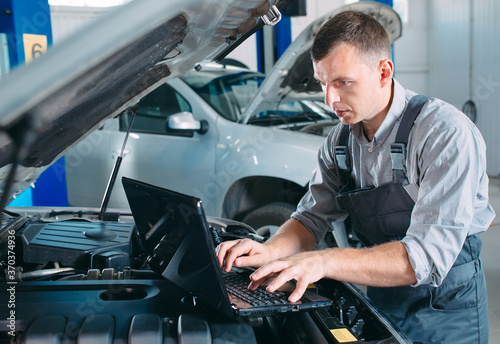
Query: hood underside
[(63, 96)]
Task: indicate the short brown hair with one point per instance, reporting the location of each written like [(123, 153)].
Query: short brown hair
[(361, 30)]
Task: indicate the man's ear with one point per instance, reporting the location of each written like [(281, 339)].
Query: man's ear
[(386, 70)]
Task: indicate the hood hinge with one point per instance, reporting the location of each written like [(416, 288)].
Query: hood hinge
[(272, 17)]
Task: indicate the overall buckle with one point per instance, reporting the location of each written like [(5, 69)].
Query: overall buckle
[(342, 156), (398, 156)]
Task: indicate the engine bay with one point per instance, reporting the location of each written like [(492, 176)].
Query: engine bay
[(70, 278)]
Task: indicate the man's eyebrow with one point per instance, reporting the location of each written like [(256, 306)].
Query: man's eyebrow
[(340, 78), (317, 79)]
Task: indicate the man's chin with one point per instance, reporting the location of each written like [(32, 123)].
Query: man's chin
[(346, 120)]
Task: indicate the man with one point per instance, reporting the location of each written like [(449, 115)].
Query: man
[(418, 210)]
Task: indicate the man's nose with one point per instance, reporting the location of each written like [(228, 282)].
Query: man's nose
[(331, 96)]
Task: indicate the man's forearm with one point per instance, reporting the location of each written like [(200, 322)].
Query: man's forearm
[(385, 265), (292, 237)]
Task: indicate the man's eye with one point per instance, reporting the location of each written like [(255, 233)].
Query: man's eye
[(344, 82)]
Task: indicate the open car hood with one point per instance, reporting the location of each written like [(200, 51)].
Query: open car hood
[(291, 78), (66, 94)]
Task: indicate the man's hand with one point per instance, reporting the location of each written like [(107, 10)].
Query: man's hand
[(291, 238), (242, 253), (305, 268), (385, 265)]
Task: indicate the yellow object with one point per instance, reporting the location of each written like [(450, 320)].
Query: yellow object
[(34, 46), (343, 335)]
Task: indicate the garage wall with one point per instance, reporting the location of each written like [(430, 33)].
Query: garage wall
[(411, 57), (67, 19), (485, 81), (449, 47), (464, 63), (315, 9)]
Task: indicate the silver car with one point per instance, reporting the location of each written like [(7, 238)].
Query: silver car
[(190, 134)]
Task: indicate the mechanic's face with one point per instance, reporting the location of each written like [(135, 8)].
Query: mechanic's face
[(356, 91)]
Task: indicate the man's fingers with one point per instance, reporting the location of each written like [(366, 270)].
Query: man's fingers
[(250, 260), (275, 269), (268, 270), (283, 277), (284, 271), (238, 249), (221, 251), (254, 284), (300, 289), (231, 253)]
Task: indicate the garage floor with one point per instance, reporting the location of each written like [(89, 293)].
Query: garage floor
[(491, 259)]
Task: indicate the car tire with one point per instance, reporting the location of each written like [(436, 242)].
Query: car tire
[(267, 219)]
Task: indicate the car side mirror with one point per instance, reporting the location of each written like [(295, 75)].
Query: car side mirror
[(184, 122)]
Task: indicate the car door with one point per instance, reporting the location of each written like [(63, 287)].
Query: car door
[(179, 160)]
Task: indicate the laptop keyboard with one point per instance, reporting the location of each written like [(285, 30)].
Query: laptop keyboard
[(238, 286)]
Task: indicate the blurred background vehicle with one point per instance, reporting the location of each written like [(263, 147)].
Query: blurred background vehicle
[(190, 134)]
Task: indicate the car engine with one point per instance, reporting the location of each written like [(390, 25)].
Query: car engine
[(70, 278)]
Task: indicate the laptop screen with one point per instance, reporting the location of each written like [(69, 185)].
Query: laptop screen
[(174, 231)]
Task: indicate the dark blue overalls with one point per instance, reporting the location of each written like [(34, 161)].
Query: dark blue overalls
[(456, 311)]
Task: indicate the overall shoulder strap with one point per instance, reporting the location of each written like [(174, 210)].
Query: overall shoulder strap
[(342, 153), (398, 148)]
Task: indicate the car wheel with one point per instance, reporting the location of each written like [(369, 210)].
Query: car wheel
[(267, 219)]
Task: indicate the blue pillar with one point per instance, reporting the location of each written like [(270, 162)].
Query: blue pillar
[(385, 2), (259, 38), (27, 27), (283, 35), (50, 188), (282, 38)]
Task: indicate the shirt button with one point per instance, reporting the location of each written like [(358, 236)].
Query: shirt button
[(370, 149)]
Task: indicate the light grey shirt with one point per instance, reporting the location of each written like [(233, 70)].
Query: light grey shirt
[(446, 177)]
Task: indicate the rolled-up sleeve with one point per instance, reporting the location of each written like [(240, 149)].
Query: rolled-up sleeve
[(452, 200)]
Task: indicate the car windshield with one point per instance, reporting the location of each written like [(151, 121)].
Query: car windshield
[(292, 113), (229, 92)]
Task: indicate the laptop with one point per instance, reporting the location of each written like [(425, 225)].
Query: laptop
[(181, 246)]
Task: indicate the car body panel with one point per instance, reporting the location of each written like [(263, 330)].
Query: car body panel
[(205, 165)]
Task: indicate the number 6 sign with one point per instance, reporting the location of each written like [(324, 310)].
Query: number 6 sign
[(34, 46)]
